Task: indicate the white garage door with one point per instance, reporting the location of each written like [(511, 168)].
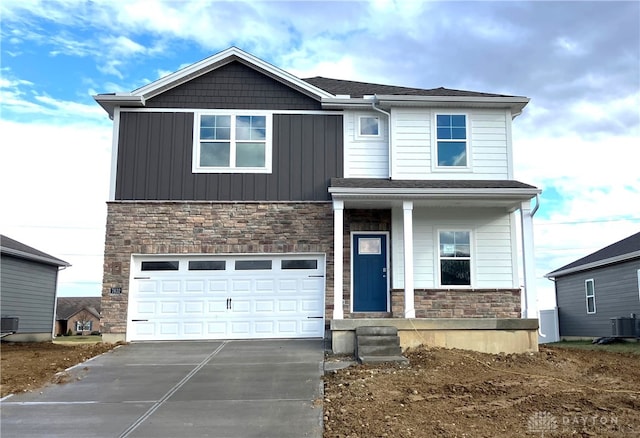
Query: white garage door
[(226, 297)]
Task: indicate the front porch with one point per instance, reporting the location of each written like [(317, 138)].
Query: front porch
[(487, 335), (438, 260)]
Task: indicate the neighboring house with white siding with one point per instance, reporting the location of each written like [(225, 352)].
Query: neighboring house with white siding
[(249, 203), (28, 287), (598, 295)]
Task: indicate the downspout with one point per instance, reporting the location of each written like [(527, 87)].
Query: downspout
[(533, 212), (380, 110), (525, 307), (55, 302)]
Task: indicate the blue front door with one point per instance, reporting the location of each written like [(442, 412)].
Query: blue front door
[(370, 273)]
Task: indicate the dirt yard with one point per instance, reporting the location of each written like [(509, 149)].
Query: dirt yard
[(28, 366), (453, 393), (442, 393)]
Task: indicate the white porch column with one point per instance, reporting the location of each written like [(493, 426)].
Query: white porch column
[(409, 301), (530, 302), (338, 258)]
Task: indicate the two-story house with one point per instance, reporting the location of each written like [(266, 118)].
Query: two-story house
[(249, 203)]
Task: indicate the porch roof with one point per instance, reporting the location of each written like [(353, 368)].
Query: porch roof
[(386, 193)]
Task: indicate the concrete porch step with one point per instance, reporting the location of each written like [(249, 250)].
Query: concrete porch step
[(376, 331), (378, 340), (379, 350), (383, 359)]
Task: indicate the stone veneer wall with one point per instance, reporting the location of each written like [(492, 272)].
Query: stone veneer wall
[(464, 303), (145, 227)]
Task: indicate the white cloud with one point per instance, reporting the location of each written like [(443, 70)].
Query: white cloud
[(55, 181)]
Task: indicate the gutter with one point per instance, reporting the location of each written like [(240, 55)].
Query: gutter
[(380, 110)]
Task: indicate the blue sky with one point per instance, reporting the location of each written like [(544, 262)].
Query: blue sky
[(578, 139)]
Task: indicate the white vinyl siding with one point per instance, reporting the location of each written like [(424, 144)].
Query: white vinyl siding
[(492, 261), (365, 157), (489, 134), (414, 145)]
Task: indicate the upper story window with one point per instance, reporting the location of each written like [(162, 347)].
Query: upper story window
[(368, 126), (227, 142), (451, 140), (454, 253)]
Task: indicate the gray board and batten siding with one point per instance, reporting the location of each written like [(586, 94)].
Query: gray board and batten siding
[(616, 295), (156, 148), (28, 293)]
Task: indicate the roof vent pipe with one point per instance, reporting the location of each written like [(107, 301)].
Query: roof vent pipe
[(375, 108)]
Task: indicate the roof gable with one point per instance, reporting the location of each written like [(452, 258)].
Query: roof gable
[(622, 250), (67, 307), (14, 248), (333, 93)]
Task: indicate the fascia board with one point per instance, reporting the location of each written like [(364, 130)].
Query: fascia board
[(109, 101), (593, 265), (516, 104), (218, 60), (524, 194), (33, 257)]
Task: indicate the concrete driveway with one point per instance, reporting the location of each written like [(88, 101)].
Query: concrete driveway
[(266, 388)]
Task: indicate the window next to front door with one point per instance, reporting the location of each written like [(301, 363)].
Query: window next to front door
[(454, 254)]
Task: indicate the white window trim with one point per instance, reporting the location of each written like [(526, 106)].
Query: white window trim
[(434, 142), (472, 276), (268, 153), (358, 127), (638, 272), (587, 296)]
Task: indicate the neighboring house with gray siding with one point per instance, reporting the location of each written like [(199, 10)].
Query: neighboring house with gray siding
[(28, 287), (247, 203), (598, 287)]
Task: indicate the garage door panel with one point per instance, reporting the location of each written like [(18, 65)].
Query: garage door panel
[(264, 306), (218, 286), (265, 286), (197, 301), (195, 287), (264, 327), (240, 286), (287, 306), (310, 305), (287, 285), (146, 308), (217, 328), (194, 307), (147, 287), (217, 306), (171, 286), (193, 328), (169, 328), (311, 326), (169, 308)]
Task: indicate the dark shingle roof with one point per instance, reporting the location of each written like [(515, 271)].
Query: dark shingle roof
[(67, 307), (618, 249), (360, 89), (17, 249), (370, 183)]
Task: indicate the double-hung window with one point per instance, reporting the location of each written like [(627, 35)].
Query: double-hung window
[(84, 326), (590, 292), (232, 143), (455, 258), (451, 140)]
